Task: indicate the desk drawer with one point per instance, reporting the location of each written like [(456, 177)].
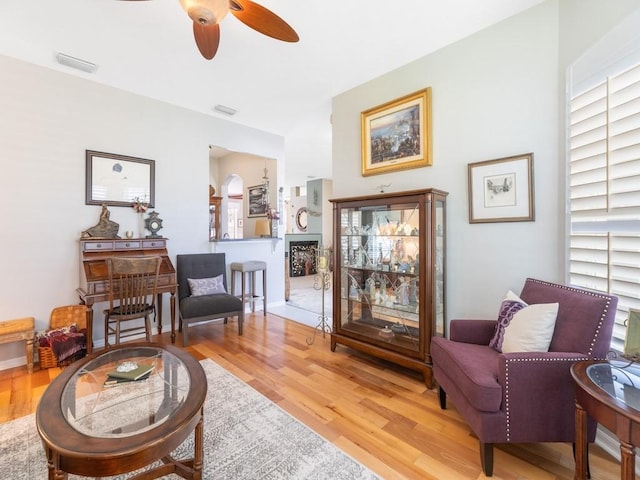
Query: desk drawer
[(97, 245), (154, 243), (128, 245)]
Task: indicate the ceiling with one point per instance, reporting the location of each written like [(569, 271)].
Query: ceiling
[(147, 47)]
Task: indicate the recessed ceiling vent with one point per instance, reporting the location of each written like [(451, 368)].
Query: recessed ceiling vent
[(226, 110), (77, 63)]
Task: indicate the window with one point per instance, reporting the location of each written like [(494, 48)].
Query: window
[(604, 189)]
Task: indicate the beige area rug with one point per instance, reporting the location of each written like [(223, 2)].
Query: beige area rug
[(246, 437), (305, 293)]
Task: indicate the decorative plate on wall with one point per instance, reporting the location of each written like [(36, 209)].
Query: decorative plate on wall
[(301, 219)]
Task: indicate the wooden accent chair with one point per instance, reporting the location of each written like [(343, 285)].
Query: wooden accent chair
[(202, 291), (523, 397), (133, 283)]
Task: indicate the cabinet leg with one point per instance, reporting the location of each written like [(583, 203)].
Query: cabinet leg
[(333, 345), (427, 373)]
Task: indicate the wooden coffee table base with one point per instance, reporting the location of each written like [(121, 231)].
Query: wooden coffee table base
[(190, 469)]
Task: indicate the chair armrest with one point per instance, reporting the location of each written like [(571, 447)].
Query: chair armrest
[(539, 378), (472, 331)]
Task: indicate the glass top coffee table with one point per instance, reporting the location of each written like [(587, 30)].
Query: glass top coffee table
[(95, 425)]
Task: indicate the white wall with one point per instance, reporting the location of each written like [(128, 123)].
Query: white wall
[(497, 93), (320, 209), (47, 121)]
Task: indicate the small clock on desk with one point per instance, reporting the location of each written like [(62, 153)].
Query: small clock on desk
[(153, 223)]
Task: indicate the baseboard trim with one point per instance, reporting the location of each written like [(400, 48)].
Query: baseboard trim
[(13, 363)]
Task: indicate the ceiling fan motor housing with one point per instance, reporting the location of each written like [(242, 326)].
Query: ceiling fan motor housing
[(206, 12)]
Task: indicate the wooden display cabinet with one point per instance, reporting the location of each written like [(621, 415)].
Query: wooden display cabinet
[(389, 275)]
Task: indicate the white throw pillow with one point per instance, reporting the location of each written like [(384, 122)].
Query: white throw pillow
[(206, 286), (531, 329)]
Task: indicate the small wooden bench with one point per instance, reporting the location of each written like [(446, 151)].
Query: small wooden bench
[(19, 329)]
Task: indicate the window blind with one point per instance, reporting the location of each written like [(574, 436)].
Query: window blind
[(604, 190)]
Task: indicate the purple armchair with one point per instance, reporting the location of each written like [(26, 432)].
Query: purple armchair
[(523, 397)]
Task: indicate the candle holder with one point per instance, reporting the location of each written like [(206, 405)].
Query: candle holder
[(322, 282)]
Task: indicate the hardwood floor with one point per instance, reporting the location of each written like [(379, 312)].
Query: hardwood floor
[(379, 413)]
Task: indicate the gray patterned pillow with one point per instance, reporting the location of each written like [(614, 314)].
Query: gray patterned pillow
[(206, 286)]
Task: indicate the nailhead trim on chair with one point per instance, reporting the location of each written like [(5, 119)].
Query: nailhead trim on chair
[(584, 292), (548, 359), (506, 377)]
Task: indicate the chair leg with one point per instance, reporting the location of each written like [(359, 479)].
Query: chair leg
[(106, 330), (264, 292), (233, 282), (147, 327), (242, 290), (240, 322), (185, 334), (486, 458), (253, 292), (443, 398)]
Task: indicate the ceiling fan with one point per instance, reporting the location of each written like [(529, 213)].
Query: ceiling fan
[(207, 15)]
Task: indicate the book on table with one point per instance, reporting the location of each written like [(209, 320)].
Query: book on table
[(111, 381), (135, 374)]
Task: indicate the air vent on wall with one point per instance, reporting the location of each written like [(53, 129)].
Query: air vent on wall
[(77, 63)]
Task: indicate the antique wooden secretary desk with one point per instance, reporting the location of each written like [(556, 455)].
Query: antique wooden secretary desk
[(94, 278)]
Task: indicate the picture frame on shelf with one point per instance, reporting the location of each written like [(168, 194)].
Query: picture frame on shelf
[(118, 180), (501, 190), (632, 336), (397, 135), (257, 204)]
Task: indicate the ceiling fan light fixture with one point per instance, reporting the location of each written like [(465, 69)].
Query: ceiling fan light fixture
[(206, 12)]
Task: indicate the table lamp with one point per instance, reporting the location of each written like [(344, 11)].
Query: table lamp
[(263, 228)]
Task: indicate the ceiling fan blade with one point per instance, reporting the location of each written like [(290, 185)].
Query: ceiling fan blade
[(207, 38), (262, 20)]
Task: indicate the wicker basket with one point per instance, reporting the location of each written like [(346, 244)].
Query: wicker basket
[(62, 317), (47, 358)]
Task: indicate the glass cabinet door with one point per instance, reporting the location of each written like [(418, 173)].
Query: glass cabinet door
[(389, 275), (379, 264), (438, 270)]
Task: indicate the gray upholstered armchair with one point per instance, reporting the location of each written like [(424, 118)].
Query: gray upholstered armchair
[(523, 397), (202, 291)]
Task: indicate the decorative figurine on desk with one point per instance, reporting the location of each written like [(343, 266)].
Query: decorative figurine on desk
[(105, 228), (153, 223)]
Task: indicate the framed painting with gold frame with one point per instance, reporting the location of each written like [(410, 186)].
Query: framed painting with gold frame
[(397, 135)]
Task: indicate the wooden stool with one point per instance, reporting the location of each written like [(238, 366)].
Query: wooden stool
[(19, 329), (250, 267)]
